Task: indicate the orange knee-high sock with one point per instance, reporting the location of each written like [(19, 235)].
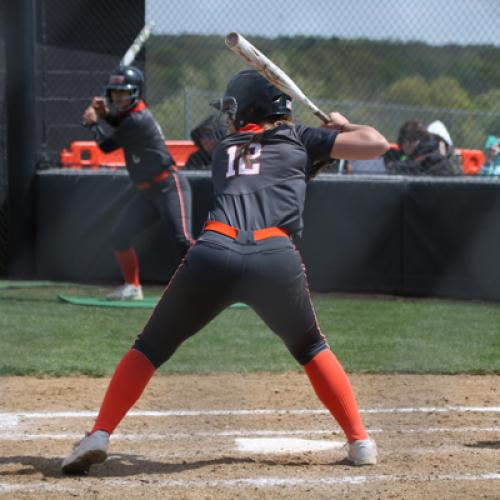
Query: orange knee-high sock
[(129, 265), (333, 388), (126, 386)]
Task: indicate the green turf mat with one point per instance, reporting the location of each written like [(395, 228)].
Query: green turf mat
[(25, 284), (238, 305), (146, 303)]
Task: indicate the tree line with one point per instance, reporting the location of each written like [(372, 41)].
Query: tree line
[(412, 74)]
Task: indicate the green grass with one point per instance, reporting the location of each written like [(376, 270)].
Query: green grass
[(40, 335)]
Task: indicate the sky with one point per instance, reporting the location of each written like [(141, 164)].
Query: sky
[(436, 22)]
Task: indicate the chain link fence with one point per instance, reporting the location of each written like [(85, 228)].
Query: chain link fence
[(380, 65), (78, 44)]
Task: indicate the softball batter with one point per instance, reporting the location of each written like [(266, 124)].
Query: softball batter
[(161, 192), (246, 254)]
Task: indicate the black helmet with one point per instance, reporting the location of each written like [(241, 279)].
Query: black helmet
[(126, 78), (250, 98)]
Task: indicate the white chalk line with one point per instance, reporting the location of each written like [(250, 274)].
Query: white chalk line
[(290, 449), (8, 420), (152, 436), (6, 416), (228, 452), (155, 436), (334, 450), (256, 482)]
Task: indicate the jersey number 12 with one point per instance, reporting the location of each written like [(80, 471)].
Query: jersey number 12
[(236, 164)]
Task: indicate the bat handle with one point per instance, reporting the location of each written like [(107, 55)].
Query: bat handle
[(322, 116)]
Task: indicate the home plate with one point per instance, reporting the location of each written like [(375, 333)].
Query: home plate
[(284, 445)]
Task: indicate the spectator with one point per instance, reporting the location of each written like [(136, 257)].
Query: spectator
[(446, 147), (204, 136), (439, 129), (161, 193), (492, 163), (420, 153)]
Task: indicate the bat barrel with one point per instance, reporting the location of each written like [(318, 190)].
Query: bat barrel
[(232, 39)]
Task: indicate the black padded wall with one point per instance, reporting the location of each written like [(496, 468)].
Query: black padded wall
[(452, 238), (353, 235), (411, 236), (75, 215)]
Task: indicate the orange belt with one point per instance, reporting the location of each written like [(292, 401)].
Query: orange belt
[(146, 185), (232, 232)]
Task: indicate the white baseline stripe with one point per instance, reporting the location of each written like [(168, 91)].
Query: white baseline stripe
[(232, 451), (436, 409), (195, 413), (286, 481), (431, 430), (259, 482), (151, 436), (10, 488), (8, 420)]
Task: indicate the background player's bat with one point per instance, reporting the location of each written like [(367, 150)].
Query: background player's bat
[(137, 45), (253, 57)]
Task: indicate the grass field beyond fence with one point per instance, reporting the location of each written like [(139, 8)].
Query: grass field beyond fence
[(39, 335)]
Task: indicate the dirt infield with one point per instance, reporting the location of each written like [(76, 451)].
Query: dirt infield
[(255, 436)]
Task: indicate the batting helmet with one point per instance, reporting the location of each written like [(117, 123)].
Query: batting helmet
[(250, 98), (126, 78)]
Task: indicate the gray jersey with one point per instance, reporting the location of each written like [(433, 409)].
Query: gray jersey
[(269, 188), (140, 136)]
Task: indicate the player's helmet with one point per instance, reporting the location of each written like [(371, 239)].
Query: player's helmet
[(250, 98), (126, 78)]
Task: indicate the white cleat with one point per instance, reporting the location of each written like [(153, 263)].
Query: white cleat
[(92, 449), (362, 452), (126, 292)]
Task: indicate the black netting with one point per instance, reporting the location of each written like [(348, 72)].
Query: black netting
[(79, 43), (379, 63)]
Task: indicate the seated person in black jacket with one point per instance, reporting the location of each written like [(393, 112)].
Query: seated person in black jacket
[(420, 153), (204, 136)]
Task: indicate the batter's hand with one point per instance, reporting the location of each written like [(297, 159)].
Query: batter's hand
[(100, 106), (337, 121), (89, 117)]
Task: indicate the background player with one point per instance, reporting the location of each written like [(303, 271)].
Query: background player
[(246, 254), (162, 192)]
